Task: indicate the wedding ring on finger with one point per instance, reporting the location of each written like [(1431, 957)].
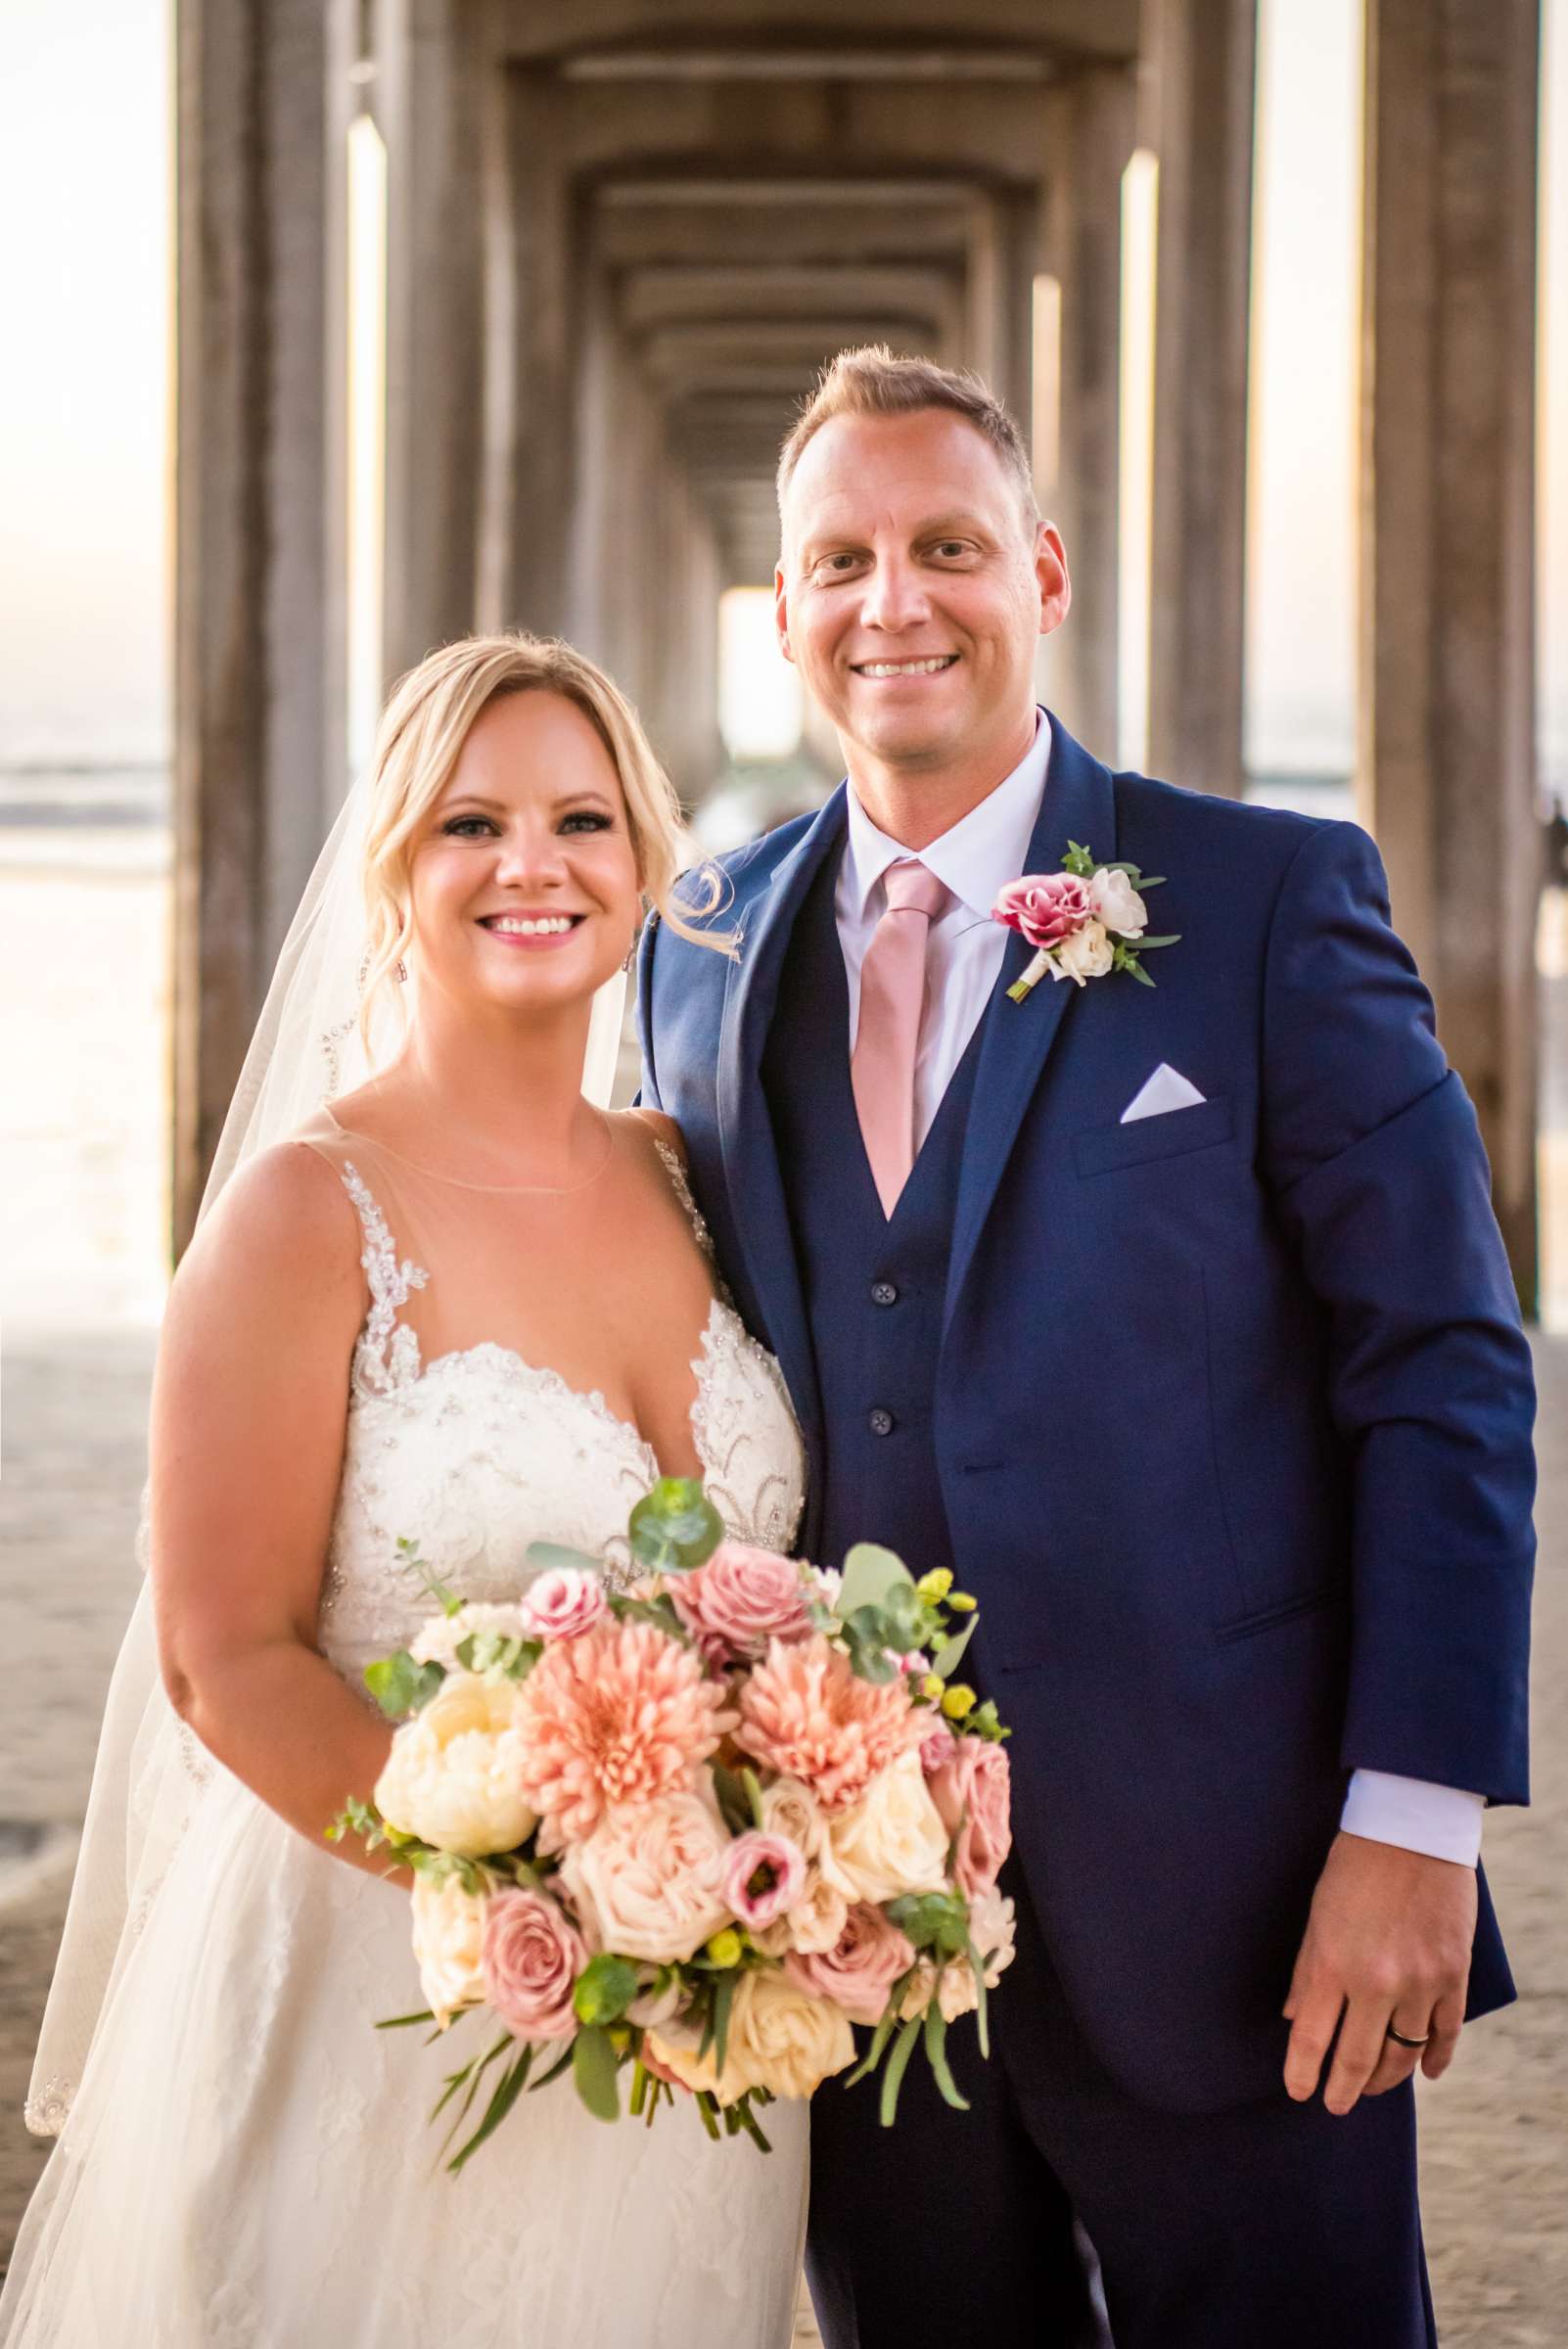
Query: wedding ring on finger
[(1401, 2040)]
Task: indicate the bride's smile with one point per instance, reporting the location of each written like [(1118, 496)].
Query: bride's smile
[(524, 886)]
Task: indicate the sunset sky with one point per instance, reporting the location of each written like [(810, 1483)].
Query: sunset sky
[(85, 203)]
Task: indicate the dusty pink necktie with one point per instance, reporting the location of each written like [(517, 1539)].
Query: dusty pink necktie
[(892, 995)]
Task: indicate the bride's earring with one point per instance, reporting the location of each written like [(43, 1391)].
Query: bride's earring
[(400, 974)]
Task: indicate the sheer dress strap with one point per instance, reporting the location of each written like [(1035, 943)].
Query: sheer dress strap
[(387, 1356)]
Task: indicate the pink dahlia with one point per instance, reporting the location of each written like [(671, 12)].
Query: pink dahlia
[(804, 1714), (619, 1715)]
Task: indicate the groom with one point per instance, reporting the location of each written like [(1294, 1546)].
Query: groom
[(1177, 1322)]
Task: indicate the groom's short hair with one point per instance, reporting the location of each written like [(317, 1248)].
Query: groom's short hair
[(872, 382)]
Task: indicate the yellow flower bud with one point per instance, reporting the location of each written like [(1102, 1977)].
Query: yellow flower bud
[(620, 2037), (726, 1948), (958, 1701), (937, 1583), (961, 1602), (932, 1688)]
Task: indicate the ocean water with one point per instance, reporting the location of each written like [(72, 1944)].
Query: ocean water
[(85, 941)]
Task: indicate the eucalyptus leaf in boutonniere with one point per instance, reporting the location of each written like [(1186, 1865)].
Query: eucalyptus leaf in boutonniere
[(1081, 922)]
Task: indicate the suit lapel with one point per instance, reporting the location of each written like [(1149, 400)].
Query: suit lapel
[(1077, 803), (752, 1173)]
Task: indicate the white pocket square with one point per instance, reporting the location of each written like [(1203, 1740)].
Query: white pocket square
[(1167, 1089)]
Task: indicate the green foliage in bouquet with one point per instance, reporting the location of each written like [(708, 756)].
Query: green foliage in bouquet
[(674, 1527), (881, 1615)]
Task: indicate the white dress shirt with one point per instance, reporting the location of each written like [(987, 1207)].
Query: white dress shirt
[(984, 849)]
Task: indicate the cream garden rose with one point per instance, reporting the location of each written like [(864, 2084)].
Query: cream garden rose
[(780, 2038), (891, 1841), (1087, 954), (453, 1774), (449, 1945)]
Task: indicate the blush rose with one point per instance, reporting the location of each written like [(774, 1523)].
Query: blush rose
[(743, 1597), (975, 1789), (532, 1958)]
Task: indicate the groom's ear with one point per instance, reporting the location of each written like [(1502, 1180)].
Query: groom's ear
[(781, 611), (1050, 573)]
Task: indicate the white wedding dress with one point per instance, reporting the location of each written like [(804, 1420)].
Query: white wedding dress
[(245, 2162)]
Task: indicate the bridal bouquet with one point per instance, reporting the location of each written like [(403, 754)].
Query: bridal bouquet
[(694, 1828)]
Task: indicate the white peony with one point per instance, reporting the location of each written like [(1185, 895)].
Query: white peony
[(453, 1774), (891, 1841), (1087, 954), (449, 1945), (1117, 903)]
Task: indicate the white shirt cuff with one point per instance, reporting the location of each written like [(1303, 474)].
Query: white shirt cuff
[(1443, 1822)]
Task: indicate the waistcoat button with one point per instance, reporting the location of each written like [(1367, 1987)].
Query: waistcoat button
[(881, 1422), (883, 1292)]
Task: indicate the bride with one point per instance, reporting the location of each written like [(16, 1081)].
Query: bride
[(464, 1304)]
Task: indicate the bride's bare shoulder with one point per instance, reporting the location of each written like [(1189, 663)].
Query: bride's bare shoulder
[(663, 1129), (283, 1225)]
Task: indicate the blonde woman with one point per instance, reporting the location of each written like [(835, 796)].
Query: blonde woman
[(461, 1303)]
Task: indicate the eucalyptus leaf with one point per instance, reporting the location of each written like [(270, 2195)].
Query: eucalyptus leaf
[(594, 2067), (401, 1687), (947, 1663), (507, 2092), (883, 2032), (870, 1573), (724, 2002), (473, 2073), (675, 1527), (982, 2000), (554, 2073), (936, 2035), (898, 2065), (549, 1557), (605, 1989), (1172, 938)]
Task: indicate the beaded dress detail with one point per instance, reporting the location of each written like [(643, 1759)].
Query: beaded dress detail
[(245, 2163)]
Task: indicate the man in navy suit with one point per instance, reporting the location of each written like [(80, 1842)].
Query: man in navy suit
[(1182, 1332)]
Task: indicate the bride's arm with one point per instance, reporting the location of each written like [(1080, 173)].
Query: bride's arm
[(249, 1404)]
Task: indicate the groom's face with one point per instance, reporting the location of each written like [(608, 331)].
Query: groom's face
[(912, 590)]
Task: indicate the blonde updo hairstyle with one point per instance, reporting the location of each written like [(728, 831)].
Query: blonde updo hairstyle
[(427, 721)]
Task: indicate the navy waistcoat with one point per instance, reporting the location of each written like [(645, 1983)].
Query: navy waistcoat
[(873, 1288)]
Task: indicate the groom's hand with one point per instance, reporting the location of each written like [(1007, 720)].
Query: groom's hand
[(1388, 1940)]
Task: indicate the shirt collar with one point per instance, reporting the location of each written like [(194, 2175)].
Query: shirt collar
[(985, 847)]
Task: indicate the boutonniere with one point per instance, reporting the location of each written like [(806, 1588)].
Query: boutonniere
[(1081, 922)]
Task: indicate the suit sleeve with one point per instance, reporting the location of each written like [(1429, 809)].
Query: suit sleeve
[(648, 1091), (1374, 1158)]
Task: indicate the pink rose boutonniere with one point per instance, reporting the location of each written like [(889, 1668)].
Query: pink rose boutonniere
[(1081, 922)]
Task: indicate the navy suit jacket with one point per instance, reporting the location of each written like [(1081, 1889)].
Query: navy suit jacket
[(1233, 1407)]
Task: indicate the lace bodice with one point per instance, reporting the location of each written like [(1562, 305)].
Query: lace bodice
[(476, 1454)]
